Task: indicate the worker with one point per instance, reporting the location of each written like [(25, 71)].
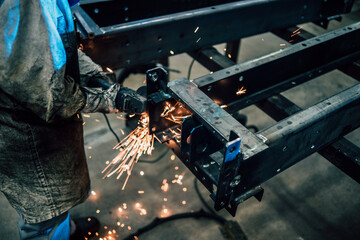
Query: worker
[(44, 85)]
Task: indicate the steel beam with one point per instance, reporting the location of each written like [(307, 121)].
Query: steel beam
[(298, 63), (137, 42), (303, 133)]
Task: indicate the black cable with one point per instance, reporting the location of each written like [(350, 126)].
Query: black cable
[(108, 123), (190, 67), (202, 198), (157, 221)]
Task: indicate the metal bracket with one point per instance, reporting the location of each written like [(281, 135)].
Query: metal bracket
[(229, 175)]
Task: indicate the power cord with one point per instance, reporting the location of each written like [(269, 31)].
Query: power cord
[(202, 198), (110, 128), (190, 67)]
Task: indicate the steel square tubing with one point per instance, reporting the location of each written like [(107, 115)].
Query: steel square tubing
[(212, 116), (302, 134), (144, 40), (276, 72)]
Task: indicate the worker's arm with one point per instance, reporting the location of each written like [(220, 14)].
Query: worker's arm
[(101, 96), (33, 62), (33, 59)]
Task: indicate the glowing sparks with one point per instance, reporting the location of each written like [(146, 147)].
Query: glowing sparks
[(98, 211), (172, 52), (196, 29), (172, 157), (229, 55), (93, 193), (165, 199), (223, 106), (142, 173), (183, 202), (242, 90), (184, 189), (176, 113), (165, 185), (141, 192), (178, 179), (109, 70), (283, 44), (131, 148), (120, 209), (198, 40), (86, 115)]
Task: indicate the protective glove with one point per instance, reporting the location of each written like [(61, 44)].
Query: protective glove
[(127, 100)]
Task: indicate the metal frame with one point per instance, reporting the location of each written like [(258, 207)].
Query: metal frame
[(141, 41), (229, 160), (270, 151)]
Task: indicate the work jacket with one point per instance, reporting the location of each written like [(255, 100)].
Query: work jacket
[(43, 77)]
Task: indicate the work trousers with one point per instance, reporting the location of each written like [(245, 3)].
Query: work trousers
[(57, 228)]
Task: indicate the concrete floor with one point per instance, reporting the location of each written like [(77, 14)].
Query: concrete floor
[(311, 200)]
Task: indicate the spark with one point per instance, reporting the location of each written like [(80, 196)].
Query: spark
[(83, 123), (165, 185), (295, 34), (184, 189), (183, 202), (124, 206), (178, 179), (98, 211), (141, 192), (97, 120), (131, 148), (176, 168), (129, 228), (143, 211), (283, 44), (165, 199), (89, 219), (211, 58), (172, 157), (86, 115), (89, 147), (242, 90), (297, 30), (198, 40), (172, 52), (118, 223), (196, 29), (176, 113), (229, 55), (223, 106), (109, 69), (93, 193), (142, 173), (137, 205), (78, 116)]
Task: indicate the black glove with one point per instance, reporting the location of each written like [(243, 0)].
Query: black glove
[(127, 100)]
